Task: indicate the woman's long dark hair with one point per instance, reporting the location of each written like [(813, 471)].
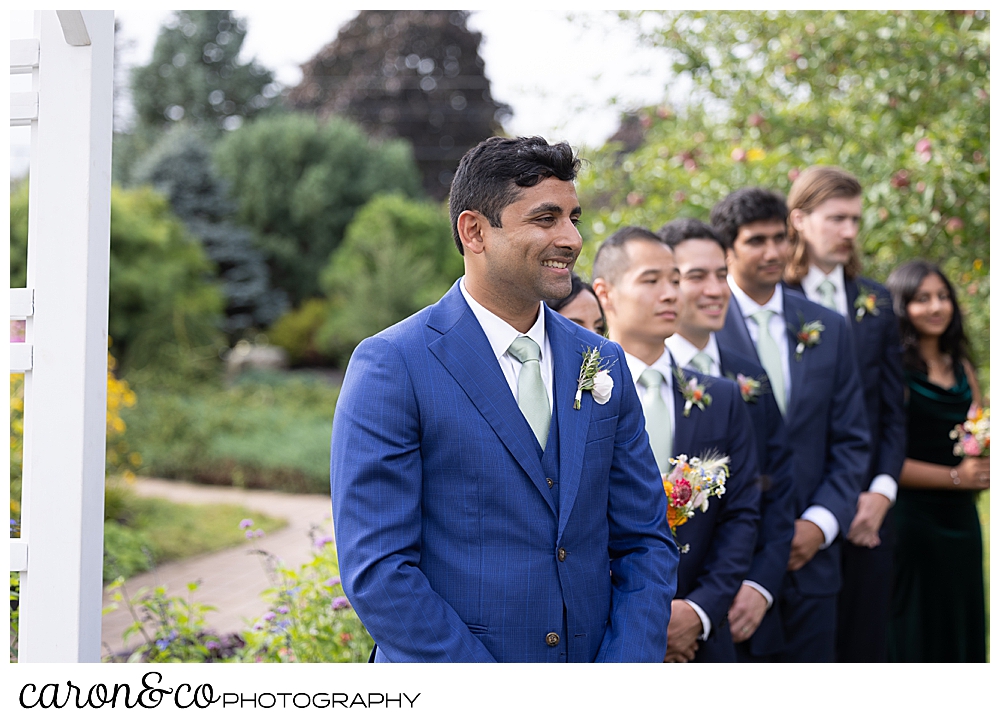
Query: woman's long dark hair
[(903, 283)]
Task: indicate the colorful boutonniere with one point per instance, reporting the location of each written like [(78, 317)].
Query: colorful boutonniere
[(866, 303), (693, 392), (594, 377), (807, 337), (750, 388)]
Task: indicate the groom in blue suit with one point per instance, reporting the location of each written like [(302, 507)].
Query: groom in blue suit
[(479, 514), (808, 354)]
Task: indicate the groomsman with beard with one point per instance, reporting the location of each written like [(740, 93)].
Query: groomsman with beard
[(825, 216), (704, 299), (808, 354), (636, 280)]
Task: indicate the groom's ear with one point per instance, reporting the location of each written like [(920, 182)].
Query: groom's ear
[(471, 225)]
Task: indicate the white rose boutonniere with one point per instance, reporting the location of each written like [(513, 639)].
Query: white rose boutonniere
[(594, 377)]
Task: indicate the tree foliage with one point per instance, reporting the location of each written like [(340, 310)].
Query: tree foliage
[(298, 182), (179, 167), (900, 99), (414, 74), (162, 295), (397, 257), (196, 75)]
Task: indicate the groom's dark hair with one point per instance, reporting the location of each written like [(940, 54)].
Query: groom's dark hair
[(490, 176)]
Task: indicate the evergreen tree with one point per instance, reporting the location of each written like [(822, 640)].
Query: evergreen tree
[(414, 74), (179, 167), (195, 74)]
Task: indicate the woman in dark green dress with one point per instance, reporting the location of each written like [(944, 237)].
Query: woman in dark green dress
[(938, 605)]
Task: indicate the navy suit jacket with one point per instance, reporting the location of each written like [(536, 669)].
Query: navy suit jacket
[(721, 539), (451, 544), (880, 362), (825, 421), (777, 513)]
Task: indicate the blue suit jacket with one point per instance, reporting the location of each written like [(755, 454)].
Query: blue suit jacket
[(880, 362), (721, 539), (451, 544), (777, 514), (825, 421)]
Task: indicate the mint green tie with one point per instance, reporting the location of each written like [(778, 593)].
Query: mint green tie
[(770, 356), (826, 292), (702, 362), (532, 398), (658, 426)]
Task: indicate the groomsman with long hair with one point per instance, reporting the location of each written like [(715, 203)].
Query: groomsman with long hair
[(824, 219), (636, 280), (807, 352)]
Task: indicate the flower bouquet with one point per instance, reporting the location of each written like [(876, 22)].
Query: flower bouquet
[(972, 437), (690, 485)]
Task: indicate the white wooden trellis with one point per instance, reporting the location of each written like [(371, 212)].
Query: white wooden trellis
[(64, 355)]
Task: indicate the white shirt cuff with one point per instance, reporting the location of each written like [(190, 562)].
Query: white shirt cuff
[(824, 520), (706, 624), (886, 486), (762, 590)]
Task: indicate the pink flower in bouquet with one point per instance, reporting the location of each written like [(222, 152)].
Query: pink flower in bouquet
[(971, 447)]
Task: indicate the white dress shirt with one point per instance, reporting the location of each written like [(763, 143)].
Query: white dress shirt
[(883, 484), (819, 516), (636, 367), (500, 335), (684, 351), (815, 277)]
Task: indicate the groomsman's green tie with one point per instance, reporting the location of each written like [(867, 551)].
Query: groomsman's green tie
[(658, 426), (702, 362), (532, 398), (826, 293), (770, 356)]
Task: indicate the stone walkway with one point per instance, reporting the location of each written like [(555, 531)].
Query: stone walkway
[(231, 580)]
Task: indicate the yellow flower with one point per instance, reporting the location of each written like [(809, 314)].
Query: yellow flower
[(756, 154)]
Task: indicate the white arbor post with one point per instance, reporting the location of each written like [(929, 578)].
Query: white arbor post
[(64, 356)]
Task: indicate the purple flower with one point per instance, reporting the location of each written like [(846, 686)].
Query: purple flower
[(258, 533), (339, 603), (268, 616), (333, 581), (258, 626), (246, 523), (162, 643), (324, 540), (283, 609), (212, 645), (249, 534)]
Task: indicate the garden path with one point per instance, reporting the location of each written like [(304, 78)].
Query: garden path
[(231, 580)]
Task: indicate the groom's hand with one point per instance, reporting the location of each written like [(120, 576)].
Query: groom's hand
[(746, 612), (805, 544), (682, 633)]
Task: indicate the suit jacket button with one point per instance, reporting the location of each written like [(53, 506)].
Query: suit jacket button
[(562, 554), (549, 482), (552, 640)]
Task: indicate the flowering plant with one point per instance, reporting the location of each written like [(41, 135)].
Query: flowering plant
[(866, 303), (750, 388), (594, 377), (690, 485), (694, 393), (973, 435), (807, 336)]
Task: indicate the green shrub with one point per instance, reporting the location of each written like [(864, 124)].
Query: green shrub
[(295, 332)]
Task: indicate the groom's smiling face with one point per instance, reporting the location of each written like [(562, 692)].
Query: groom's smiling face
[(530, 256)]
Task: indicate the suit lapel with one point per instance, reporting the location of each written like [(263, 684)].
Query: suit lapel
[(853, 325), (567, 356), (794, 318), (737, 327), (465, 352), (683, 426)]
